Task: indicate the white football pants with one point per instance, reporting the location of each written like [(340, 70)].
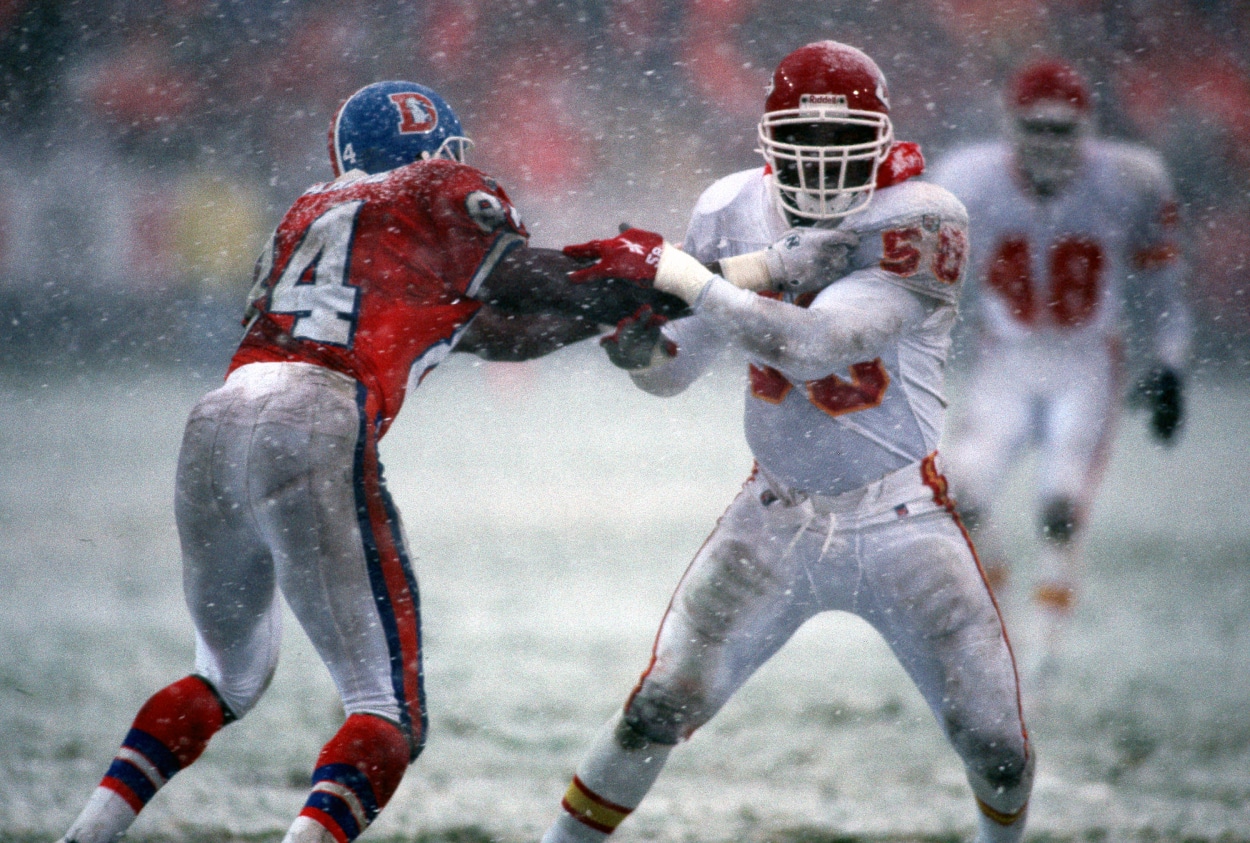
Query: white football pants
[(279, 491)]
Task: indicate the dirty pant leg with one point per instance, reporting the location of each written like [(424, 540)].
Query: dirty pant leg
[(741, 599), (925, 594)]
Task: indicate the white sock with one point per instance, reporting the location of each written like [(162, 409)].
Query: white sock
[(611, 774), (104, 818)]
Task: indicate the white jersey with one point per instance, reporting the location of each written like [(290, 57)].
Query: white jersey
[(849, 386), (1058, 271)]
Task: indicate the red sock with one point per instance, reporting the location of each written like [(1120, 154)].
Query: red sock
[(169, 733), (357, 773)]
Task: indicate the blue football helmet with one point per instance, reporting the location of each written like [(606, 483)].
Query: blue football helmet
[(389, 124)]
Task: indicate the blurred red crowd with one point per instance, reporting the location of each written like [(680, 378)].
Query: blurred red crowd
[(559, 94)]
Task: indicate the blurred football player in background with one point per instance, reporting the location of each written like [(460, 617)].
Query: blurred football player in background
[(846, 509), (1066, 229), (367, 284)]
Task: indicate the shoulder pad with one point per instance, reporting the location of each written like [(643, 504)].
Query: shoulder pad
[(483, 199), (915, 235), (726, 218), (724, 190), (1130, 166), (968, 169)]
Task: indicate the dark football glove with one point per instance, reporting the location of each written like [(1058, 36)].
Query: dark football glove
[(1160, 393), (632, 345)]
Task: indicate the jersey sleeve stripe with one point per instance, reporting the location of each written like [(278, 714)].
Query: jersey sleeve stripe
[(1155, 257), (503, 244)]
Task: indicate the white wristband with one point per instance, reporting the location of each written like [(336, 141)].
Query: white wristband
[(747, 272), (681, 274)]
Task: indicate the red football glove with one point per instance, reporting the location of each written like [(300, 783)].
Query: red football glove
[(633, 254)]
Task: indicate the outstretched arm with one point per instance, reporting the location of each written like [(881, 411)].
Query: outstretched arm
[(850, 321), (539, 300), (607, 280), (501, 335), (532, 280)]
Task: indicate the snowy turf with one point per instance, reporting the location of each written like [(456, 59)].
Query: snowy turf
[(551, 509)]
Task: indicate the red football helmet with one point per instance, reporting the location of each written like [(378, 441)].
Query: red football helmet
[(1050, 107), (825, 130), (1047, 83)]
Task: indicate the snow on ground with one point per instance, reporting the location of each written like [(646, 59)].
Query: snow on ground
[(551, 509)]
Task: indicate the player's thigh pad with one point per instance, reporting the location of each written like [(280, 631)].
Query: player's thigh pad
[(926, 595), (739, 601), (228, 575)]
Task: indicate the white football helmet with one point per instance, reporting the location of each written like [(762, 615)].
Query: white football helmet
[(825, 131)]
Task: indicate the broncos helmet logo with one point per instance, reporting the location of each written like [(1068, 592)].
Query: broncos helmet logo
[(416, 112)]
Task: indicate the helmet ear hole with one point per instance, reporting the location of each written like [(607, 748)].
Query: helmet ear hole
[(390, 124)]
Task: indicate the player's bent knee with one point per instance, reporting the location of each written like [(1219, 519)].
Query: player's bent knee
[(1006, 770), (652, 722), (415, 730), (228, 712), (1060, 520), (238, 699), (657, 715), (630, 736), (1004, 766)]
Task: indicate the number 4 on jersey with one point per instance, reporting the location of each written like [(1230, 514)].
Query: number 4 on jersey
[(313, 286)]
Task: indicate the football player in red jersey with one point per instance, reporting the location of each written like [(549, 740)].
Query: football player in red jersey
[(846, 509), (368, 282)]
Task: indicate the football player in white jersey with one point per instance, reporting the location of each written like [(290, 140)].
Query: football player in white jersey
[(1065, 229), (847, 508)]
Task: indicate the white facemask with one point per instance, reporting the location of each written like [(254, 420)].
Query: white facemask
[(1048, 141)]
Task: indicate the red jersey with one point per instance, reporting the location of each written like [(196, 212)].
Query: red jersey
[(375, 277)]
